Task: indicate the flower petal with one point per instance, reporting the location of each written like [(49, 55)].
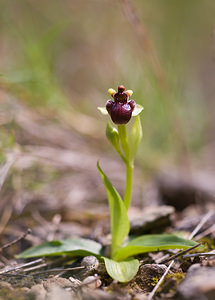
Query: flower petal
[(103, 110)]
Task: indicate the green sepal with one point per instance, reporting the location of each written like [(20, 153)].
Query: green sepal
[(137, 110), (135, 137), (113, 136)]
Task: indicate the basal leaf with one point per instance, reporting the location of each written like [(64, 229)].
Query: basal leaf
[(135, 137), (72, 247), (122, 271), (152, 242), (118, 214)]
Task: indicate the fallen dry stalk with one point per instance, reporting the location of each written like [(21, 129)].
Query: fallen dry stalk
[(21, 266), (179, 254)]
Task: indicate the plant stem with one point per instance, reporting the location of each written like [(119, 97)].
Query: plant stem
[(129, 164), (129, 183)]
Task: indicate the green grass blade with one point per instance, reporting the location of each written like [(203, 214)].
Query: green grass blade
[(118, 214), (152, 242), (122, 271), (72, 247)]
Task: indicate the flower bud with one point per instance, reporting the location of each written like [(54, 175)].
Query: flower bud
[(113, 136), (120, 109)]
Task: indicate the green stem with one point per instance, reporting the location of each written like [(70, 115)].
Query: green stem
[(129, 183), (129, 164)]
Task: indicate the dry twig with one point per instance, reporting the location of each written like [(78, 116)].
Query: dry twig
[(16, 240), (199, 254), (179, 254), (21, 266), (201, 223), (59, 270), (206, 232)]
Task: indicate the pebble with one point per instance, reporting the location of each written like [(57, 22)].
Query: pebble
[(152, 219), (92, 282), (199, 284), (147, 277)]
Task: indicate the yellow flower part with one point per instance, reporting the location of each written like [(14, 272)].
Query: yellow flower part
[(129, 92), (111, 92)]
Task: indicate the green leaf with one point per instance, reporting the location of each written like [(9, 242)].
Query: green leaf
[(152, 242), (72, 247), (113, 136), (135, 137), (137, 110), (122, 271), (103, 110), (118, 214)]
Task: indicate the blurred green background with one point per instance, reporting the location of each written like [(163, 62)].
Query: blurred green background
[(62, 56)]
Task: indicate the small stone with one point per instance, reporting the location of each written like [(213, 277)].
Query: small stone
[(4, 284), (90, 262), (38, 291), (55, 281), (147, 277), (92, 281), (75, 282), (141, 296), (91, 266), (193, 268), (152, 219), (57, 293), (199, 284)]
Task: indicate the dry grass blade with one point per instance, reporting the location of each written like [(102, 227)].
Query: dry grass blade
[(21, 266), (5, 169), (7, 212), (179, 254), (35, 267), (5, 217), (151, 295), (199, 226), (59, 270), (199, 254), (206, 232)]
